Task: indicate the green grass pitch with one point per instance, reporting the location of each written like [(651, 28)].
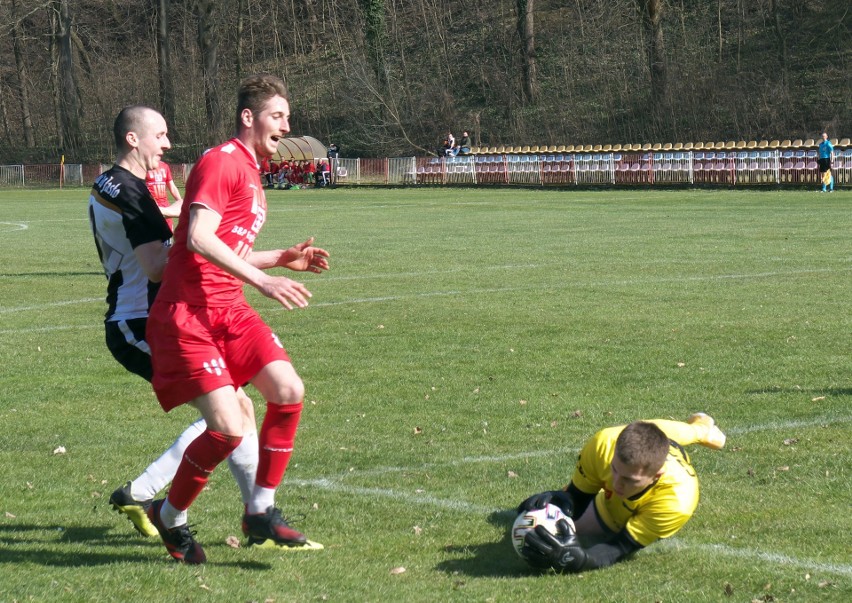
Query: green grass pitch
[(464, 345)]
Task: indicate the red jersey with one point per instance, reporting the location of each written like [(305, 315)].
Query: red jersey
[(157, 182), (225, 180)]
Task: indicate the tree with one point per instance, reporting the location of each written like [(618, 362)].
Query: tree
[(652, 20), (23, 77), (164, 68), (526, 31), (208, 45), (70, 105)]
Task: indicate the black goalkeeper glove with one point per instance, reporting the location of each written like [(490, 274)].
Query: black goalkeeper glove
[(560, 498), (562, 551)]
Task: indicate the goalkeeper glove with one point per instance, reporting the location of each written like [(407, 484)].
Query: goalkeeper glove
[(560, 498), (561, 551)]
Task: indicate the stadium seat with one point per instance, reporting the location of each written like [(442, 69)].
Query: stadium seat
[(688, 146), (798, 143), (752, 144), (646, 146), (774, 144), (525, 149), (731, 144), (810, 142), (844, 142), (763, 144), (656, 146), (786, 144), (597, 148), (560, 148)]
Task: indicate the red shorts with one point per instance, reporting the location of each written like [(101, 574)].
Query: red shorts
[(197, 349)]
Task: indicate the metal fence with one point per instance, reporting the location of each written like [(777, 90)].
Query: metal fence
[(714, 168)]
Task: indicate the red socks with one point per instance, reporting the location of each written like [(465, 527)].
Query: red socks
[(199, 460), (277, 435)]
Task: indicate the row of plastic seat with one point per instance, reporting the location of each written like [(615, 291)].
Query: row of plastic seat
[(798, 143), (678, 156)]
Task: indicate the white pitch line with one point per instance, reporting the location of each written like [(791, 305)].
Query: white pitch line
[(68, 302), (775, 558), (16, 226)]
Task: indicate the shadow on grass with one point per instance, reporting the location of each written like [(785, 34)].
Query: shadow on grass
[(489, 559), (42, 545)]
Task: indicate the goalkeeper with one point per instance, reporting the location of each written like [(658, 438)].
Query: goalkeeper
[(632, 486)]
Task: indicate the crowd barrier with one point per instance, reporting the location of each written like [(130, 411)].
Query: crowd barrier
[(719, 168)]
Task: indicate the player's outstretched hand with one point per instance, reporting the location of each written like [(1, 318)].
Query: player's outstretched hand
[(560, 498), (285, 291), (303, 257), (561, 551)]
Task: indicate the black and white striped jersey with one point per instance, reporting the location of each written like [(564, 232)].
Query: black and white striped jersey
[(124, 215)]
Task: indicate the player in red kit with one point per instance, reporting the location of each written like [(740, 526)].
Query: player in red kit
[(160, 182), (206, 340)]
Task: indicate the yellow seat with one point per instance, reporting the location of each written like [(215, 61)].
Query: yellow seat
[(657, 147), (844, 142), (616, 148), (646, 146), (810, 142), (560, 148), (774, 144), (731, 144), (786, 144), (763, 144), (535, 149), (568, 148), (677, 146), (741, 144), (721, 145), (597, 148), (667, 146), (688, 146), (708, 146), (752, 144), (525, 149), (798, 143)]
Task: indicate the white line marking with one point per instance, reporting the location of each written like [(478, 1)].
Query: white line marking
[(14, 226), (69, 302), (50, 329), (776, 558)]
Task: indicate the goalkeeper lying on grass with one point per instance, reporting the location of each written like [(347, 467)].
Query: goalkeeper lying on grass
[(632, 486)]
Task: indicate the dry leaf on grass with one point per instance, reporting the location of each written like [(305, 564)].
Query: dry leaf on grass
[(233, 542), (512, 474), (397, 571)]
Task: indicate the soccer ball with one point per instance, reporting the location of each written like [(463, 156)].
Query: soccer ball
[(528, 520)]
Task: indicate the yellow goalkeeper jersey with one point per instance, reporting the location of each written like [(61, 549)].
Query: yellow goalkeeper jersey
[(661, 509)]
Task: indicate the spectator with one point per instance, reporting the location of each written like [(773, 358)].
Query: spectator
[(464, 144)]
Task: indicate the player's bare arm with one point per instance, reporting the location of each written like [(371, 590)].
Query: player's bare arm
[(202, 239), (152, 259), (302, 257), (173, 210)]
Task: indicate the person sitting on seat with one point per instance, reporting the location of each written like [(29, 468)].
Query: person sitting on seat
[(464, 144)]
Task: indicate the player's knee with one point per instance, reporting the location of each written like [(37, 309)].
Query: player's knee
[(291, 391)]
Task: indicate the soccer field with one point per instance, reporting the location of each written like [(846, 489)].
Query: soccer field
[(461, 349)]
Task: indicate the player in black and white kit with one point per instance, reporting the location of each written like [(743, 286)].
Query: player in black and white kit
[(133, 240)]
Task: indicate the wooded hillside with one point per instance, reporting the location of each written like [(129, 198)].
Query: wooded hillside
[(390, 77)]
